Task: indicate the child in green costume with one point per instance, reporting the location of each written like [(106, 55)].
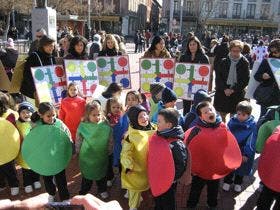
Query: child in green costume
[(93, 142)]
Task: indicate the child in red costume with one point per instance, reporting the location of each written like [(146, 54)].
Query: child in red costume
[(72, 109), (214, 151)]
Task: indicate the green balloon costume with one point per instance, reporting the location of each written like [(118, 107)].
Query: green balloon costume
[(93, 156)]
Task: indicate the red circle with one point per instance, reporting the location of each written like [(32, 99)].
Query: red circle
[(203, 71), (122, 61), (168, 64), (59, 71)]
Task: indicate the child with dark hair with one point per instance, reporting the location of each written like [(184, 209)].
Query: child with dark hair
[(167, 153), (243, 127), (215, 154), (77, 48)]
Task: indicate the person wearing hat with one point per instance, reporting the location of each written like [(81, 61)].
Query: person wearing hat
[(156, 89), (134, 155), (25, 110), (95, 47)]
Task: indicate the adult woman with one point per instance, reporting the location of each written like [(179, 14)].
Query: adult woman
[(193, 54), (77, 49), (232, 76), (110, 46), (265, 76), (42, 57), (157, 49)]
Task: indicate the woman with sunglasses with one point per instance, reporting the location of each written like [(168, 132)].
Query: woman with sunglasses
[(265, 76)]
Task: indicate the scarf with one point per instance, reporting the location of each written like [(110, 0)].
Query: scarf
[(232, 76), (175, 132)]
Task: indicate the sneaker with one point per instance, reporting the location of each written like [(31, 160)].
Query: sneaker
[(237, 188), (37, 185), (226, 187), (126, 194), (14, 191), (51, 198), (28, 189), (104, 195)]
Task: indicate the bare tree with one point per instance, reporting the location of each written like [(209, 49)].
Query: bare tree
[(7, 7)]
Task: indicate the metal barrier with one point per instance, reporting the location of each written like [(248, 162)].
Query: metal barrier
[(22, 45)]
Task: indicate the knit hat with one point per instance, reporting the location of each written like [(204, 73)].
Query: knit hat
[(199, 96), (168, 95), (156, 88), (96, 38), (133, 113), (25, 105), (10, 43)]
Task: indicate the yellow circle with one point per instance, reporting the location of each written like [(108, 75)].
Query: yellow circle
[(104, 83), (179, 91), (71, 67), (146, 86)]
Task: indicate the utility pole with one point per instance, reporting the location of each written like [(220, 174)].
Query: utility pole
[(181, 15), (88, 22), (171, 15)]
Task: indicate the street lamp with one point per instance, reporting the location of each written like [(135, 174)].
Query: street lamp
[(89, 25)]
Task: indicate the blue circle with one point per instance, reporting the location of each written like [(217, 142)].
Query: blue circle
[(169, 85), (125, 82)]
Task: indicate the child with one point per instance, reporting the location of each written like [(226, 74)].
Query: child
[(134, 155), (167, 154), (191, 118), (25, 110), (7, 169), (269, 169), (156, 89), (114, 110), (72, 109), (92, 146), (244, 128), (214, 151), (46, 115)]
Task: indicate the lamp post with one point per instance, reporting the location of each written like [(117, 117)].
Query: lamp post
[(88, 22), (171, 15)]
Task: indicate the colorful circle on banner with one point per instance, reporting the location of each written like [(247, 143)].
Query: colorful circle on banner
[(9, 141), (168, 64), (71, 67), (59, 72), (39, 74), (122, 61), (169, 85), (181, 69), (179, 91), (125, 82), (146, 86), (101, 62), (91, 66), (47, 149), (104, 83), (275, 63), (146, 64), (203, 71)]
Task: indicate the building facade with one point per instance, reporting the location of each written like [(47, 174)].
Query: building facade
[(232, 16)]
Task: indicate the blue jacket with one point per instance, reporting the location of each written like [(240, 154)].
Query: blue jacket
[(246, 135), (118, 132)]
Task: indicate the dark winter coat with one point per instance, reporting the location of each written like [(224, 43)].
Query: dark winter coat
[(199, 58), (76, 56), (9, 57), (224, 103), (220, 52), (109, 52), (28, 86)]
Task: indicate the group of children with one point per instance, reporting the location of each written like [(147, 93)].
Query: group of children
[(119, 138)]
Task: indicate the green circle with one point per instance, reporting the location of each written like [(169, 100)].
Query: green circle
[(91, 66), (146, 64), (179, 91), (101, 62), (39, 74), (71, 67), (146, 86), (104, 83), (181, 69)]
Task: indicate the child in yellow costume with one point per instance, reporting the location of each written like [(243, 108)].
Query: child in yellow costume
[(134, 155)]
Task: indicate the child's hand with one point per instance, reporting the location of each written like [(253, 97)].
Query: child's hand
[(244, 159)]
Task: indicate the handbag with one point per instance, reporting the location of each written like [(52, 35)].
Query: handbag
[(266, 95)]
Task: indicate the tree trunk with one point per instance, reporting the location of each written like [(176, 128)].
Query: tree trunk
[(8, 19)]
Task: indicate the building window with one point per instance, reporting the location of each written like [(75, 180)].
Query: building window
[(189, 8), (266, 1), (176, 6), (279, 9), (208, 6), (236, 13), (252, 0), (251, 8), (223, 10), (265, 10)]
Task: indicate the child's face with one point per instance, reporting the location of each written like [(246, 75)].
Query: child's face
[(208, 114), (116, 108), (25, 115), (162, 124), (48, 117), (143, 119), (73, 91), (94, 116), (170, 104), (131, 100), (241, 116)]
